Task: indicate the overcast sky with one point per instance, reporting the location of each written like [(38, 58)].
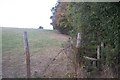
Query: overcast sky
[(26, 13)]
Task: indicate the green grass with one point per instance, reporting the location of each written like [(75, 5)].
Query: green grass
[(43, 44), (12, 38)]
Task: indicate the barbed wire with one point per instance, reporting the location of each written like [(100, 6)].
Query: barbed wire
[(53, 59)]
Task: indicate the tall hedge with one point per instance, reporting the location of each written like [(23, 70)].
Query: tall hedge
[(97, 22)]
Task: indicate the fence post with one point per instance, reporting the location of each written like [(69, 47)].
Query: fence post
[(77, 53), (98, 52), (26, 47), (77, 47), (102, 52), (78, 40), (98, 57)]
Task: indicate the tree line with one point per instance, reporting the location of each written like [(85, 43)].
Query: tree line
[(97, 22)]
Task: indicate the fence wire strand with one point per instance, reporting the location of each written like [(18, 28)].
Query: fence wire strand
[(53, 59)]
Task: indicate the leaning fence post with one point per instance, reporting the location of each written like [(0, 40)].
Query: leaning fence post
[(26, 47)]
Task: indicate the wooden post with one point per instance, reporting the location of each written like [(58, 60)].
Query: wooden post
[(94, 63), (102, 53), (98, 52), (98, 57), (26, 47), (102, 44), (77, 53), (77, 47), (78, 40)]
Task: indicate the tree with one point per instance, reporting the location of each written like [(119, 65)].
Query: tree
[(97, 22), (40, 27)]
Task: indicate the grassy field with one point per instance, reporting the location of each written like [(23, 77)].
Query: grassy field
[(43, 44), (13, 38)]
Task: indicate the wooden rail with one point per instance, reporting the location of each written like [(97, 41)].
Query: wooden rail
[(89, 58)]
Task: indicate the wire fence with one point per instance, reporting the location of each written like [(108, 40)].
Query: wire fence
[(62, 51)]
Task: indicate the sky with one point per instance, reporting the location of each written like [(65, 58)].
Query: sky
[(26, 13)]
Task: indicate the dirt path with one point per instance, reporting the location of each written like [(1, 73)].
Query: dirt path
[(44, 46)]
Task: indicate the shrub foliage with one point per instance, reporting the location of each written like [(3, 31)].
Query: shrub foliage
[(97, 22)]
